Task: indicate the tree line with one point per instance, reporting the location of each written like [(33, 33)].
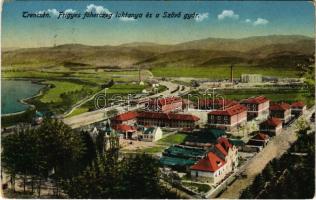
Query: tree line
[(76, 166)]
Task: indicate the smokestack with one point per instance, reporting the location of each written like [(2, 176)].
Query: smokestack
[(139, 75), (231, 73)]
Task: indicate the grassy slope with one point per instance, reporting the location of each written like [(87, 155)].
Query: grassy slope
[(53, 95)]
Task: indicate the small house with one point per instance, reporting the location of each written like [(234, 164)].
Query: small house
[(281, 111), (272, 126), (298, 108)]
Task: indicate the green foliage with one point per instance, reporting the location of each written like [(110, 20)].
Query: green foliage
[(58, 146), (174, 139), (246, 194), (19, 155), (60, 87), (37, 152), (257, 185), (302, 125), (268, 172), (129, 177), (25, 117)]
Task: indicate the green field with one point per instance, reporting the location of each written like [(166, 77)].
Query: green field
[(90, 76), (173, 139), (155, 149), (53, 95), (220, 72), (274, 94), (125, 89)]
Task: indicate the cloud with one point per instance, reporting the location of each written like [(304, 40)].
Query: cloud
[(97, 9), (127, 19), (71, 11), (248, 20), (260, 21), (201, 16), (53, 12), (227, 14)]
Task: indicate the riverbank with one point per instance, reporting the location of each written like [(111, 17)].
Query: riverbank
[(26, 101)]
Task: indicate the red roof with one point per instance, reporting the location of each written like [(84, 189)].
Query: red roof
[(233, 110), (261, 136), (165, 101), (124, 128), (281, 106), (255, 100), (209, 102), (224, 142), (272, 122), (168, 116), (298, 104), (210, 163), (126, 116), (221, 149)]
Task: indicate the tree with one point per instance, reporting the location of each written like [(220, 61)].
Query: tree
[(257, 185), (268, 172), (19, 154), (89, 153), (246, 194), (302, 125), (141, 177), (109, 177), (100, 142), (59, 149)]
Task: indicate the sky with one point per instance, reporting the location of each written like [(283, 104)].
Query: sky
[(236, 19)]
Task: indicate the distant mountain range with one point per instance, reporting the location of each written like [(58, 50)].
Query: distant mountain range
[(271, 51)]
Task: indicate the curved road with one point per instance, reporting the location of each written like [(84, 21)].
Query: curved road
[(100, 115)]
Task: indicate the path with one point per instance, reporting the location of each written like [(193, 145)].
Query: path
[(275, 148)]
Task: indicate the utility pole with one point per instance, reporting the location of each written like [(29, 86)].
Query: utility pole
[(139, 75)]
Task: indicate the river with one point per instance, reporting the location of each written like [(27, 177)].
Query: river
[(12, 91)]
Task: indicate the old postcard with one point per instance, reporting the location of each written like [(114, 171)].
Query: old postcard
[(158, 99)]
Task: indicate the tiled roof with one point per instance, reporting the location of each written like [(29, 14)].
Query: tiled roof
[(124, 128), (298, 104), (225, 143), (272, 122), (260, 136), (215, 158), (255, 100), (210, 163), (126, 116), (233, 110), (281, 106), (168, 116), (165, 101), (221, 149)]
